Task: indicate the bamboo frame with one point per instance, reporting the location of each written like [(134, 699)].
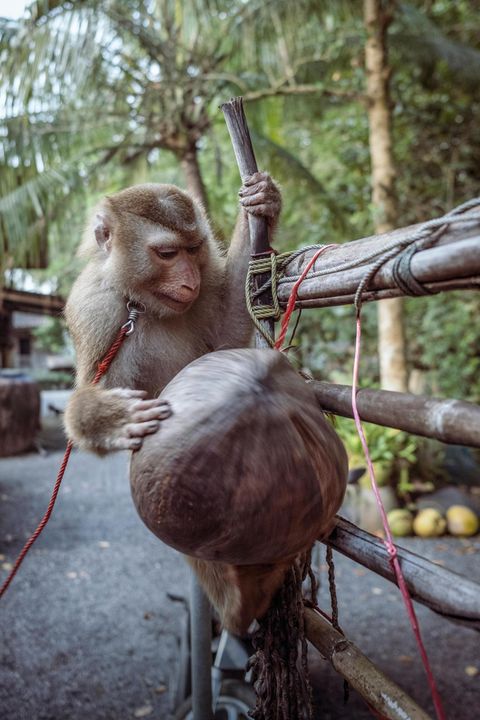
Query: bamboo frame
[(453, 264), (258, 226)]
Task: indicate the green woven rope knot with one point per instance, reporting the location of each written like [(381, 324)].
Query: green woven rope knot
[(271, 265)]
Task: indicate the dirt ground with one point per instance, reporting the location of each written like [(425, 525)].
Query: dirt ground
[(87, 629)]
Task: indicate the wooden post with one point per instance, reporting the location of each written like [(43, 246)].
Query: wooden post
[(6, 340)]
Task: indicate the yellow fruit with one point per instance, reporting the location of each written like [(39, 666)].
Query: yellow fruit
[(429, 523), (401, 522), (461, 521)]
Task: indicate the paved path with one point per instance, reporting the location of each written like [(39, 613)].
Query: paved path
[(87, 629)]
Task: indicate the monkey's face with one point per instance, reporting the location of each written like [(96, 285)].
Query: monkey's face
[(158, 242), (175, 278)]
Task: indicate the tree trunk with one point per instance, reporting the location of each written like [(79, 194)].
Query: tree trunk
[(193, 176), (391, 340)]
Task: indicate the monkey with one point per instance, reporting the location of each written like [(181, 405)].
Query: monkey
[(152, 244)]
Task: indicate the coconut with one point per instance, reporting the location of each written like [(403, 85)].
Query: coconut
[(247, 470)]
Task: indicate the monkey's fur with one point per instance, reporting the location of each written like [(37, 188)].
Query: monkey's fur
[(153, 244), (194, 303)]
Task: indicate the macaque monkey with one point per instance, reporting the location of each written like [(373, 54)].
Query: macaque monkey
[(152, 244)]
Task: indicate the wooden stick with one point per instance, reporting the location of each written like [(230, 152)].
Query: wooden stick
[(472, 283), (450, 421), (445, 592), (247, 165), (375, 687)]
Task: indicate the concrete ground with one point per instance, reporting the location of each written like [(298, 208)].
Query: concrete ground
[(87, 629)]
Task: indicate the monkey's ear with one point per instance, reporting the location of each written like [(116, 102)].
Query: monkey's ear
[(102, 233)]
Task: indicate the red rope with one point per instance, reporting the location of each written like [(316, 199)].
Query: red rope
[(293, 298), (101, 370)]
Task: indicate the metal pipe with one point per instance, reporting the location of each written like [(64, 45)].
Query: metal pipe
[(201, 640)]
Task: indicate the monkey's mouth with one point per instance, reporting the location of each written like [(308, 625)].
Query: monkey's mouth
[(177, 305)]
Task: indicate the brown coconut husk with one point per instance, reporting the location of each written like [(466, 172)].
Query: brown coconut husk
[(243, 477)]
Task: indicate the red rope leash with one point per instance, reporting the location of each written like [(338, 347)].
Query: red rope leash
[(390, 545), (101, 370)]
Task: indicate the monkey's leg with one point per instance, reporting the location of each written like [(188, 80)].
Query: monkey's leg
[(240, 593)]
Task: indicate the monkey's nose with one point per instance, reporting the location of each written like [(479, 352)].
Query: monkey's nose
[(187, 293)]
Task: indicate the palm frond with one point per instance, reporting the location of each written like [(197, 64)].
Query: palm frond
[(419, 37)]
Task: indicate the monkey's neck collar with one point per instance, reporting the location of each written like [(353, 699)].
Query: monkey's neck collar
[(135, 308)]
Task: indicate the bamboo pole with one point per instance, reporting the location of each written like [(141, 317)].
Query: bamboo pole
[(375, 687), (258, 226), (453, 264), (450, 421), (447, 593), (22, 301)]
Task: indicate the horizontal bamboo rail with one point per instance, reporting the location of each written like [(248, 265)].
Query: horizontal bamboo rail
[(454, 263), (450, 421), (447, 593), (22, 301), (376, 688)]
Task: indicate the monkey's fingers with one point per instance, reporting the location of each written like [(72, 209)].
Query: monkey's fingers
[(125, 443), (140, 429), (256, 177), (153, 413), (259, 205), (247, 190), (161, 408)]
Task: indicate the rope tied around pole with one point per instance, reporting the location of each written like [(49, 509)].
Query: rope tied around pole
[(257, 267)]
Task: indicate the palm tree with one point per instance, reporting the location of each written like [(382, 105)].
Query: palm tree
[(92, 87)]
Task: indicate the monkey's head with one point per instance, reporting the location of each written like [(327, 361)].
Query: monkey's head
[(156, 247)]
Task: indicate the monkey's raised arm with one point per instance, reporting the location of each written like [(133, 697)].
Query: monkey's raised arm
[(259, 195)]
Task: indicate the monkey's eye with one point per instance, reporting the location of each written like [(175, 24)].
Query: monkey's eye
[(167, 254)]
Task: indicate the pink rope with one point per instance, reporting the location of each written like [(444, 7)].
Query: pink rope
[(389, 543)]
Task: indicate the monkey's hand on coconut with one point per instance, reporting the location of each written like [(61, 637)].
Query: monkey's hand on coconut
[(259, 195), (102, 420)]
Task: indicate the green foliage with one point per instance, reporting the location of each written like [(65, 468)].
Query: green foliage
[(393, 452), (99, 95), (444, 343)]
